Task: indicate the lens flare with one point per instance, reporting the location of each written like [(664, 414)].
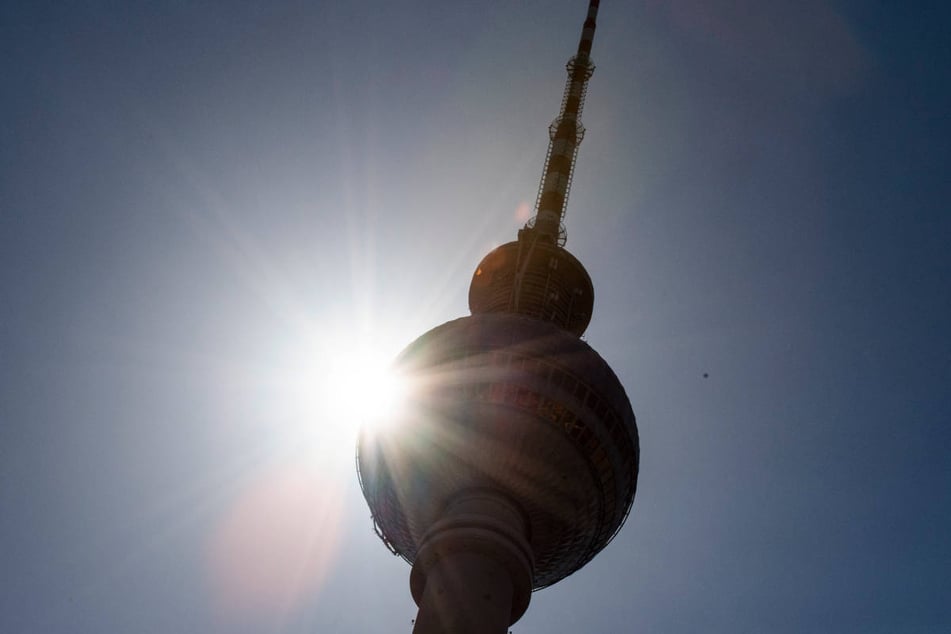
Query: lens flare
[(274, 548), (362, 390)]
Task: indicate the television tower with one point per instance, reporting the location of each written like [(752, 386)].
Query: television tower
[(515, 461)]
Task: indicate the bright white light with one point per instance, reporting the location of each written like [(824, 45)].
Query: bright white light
[(336, 387), (361, 389)]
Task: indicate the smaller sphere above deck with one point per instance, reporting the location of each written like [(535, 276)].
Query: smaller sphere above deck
[(535, 278)]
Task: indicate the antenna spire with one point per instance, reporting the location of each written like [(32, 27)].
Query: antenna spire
[(535, 275), (565, 133)]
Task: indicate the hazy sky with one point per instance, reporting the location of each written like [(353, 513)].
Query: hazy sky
[(203, 203)]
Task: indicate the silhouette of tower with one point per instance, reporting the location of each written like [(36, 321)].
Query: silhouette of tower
[(515, 461)]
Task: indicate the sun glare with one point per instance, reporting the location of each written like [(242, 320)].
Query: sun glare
[(338, 383), (361, 390), (345, 389), (277, 544)]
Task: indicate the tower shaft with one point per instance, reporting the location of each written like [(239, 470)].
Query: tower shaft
[(473, 573), (565, 134)]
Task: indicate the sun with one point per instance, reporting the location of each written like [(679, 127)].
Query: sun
[(362, 389), (337, 385)]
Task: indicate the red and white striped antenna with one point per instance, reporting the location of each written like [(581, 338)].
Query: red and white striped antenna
[(566, 133)]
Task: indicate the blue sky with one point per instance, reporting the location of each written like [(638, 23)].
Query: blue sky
[(202, 202)]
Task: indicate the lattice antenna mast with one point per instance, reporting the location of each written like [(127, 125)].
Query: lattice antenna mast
[(566, 133)]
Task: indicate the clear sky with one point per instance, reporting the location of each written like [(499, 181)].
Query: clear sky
[(202, 204)]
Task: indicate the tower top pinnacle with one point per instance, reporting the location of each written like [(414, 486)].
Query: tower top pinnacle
[(534, 275), (565, 134), (587, 31)]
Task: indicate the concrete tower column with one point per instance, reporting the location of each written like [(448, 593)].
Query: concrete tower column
[(473, 573)]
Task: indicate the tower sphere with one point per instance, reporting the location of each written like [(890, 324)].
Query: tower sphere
[(518, 406)]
